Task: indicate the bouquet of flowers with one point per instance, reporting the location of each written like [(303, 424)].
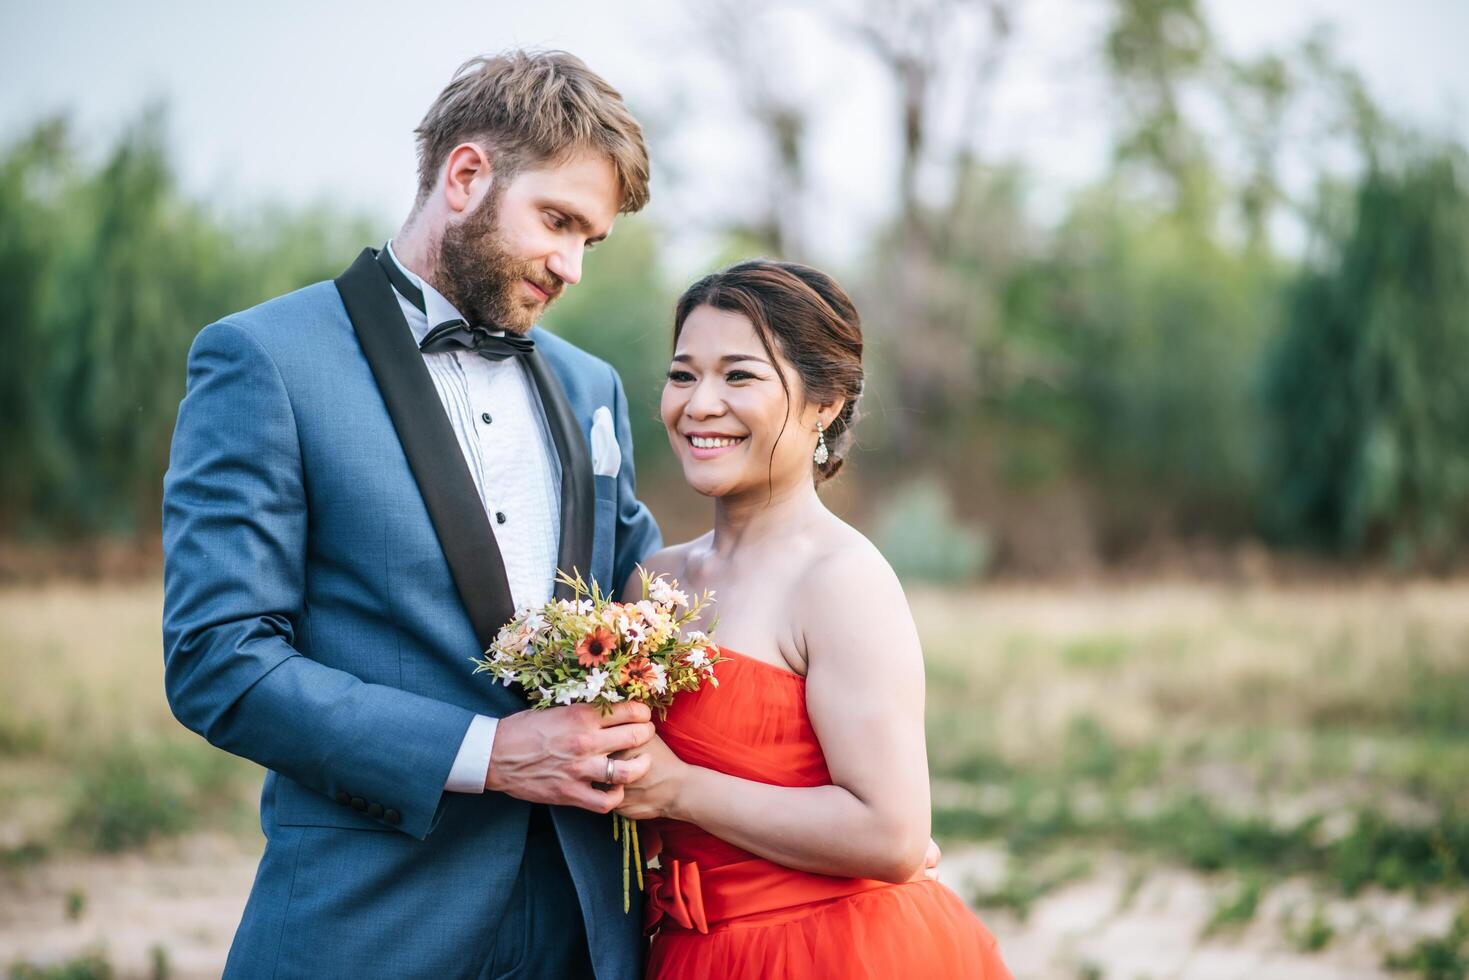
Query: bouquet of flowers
[(591, 650)]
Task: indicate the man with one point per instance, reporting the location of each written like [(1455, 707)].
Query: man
[(368, 477)]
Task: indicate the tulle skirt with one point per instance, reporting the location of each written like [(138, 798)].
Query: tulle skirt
[(919, 930)]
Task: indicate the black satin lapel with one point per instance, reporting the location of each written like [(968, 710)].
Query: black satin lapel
[(428, 441), (578, 502)]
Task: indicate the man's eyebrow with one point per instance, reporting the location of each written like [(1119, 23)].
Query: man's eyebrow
[(578, 219), (726, 359)]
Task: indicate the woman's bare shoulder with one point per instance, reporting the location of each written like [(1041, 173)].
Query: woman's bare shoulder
[(673, 560), (848, 566)]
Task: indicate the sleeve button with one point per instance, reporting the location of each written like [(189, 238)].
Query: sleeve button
[(343, 797), (359, 804), (392, 816), (500, 517), (375, 810), (485, 418)]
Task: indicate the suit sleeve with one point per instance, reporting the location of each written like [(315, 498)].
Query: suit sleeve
[(234, 536), (637, 532)]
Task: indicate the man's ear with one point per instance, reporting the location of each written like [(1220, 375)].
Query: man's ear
[(465, 171)]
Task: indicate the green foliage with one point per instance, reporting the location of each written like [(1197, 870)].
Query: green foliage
[(1236, 910), (1369, 414), (1314, 935), (107, 271), (124, 797), (1027, 882), (918, 534), (1443, 957), (160, 968), (1161, 328), (87, 966)]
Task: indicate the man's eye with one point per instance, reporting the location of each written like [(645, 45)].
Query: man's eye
[(681, 377), (556, 221)]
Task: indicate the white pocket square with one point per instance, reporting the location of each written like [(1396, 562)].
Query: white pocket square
[(606, 457)]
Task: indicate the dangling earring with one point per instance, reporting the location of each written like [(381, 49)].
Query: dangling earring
[(821, 455)]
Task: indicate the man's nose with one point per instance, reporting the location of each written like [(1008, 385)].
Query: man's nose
[(565, 264)]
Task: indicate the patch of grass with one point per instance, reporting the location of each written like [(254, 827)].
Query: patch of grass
[(1378, 851), (1094, 652), (19, 736), (1312, 936), (1443, 957), (1191, 830), (76, 903), (124, 796), (88, 966), (1236, 910), (21, 856), (159, 966), (1026, 883), (1195, 832)]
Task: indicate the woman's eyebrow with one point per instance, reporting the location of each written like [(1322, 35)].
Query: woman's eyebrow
[(726, 359)]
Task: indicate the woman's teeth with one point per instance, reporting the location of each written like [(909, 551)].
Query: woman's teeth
[(705, 442)]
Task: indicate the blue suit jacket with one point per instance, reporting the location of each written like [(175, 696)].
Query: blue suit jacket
[(328, 574)]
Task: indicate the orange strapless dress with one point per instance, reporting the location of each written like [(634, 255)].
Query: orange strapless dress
[(717, 912)]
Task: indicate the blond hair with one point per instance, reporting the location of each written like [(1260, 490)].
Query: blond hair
[(527, 108)]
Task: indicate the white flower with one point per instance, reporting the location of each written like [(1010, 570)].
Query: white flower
[(634, 633), (596, 679), (662, 592), (660, 678), (506, 675), (697, 657), (543, 692), (567, 693), (611, 695), (535, 622)]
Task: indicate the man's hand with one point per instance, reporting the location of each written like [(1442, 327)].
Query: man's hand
[(554, 756)]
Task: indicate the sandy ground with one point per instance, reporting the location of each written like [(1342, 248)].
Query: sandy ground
[(187, 897)]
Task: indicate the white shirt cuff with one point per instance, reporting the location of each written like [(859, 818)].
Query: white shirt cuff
[(472, 764)]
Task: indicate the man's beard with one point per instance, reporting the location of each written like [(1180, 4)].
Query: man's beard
[(479, 275)]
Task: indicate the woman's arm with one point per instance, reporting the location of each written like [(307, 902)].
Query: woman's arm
[(864, 693)]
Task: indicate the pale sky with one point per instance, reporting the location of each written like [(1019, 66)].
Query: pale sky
[(274, 101)]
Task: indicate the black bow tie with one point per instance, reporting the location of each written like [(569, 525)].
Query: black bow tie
[(452, 335), (458, 335)]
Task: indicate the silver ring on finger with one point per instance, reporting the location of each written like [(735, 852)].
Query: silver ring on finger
[(608, 780)]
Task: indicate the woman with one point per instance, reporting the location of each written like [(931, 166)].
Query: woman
[(791, 800)]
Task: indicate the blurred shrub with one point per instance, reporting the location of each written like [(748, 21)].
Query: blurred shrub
[(916, 531), (124, 796), (87, 966), (1369, 409), (1158, 328), (107, 271)]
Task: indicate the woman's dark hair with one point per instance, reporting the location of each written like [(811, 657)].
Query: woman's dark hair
[(813, 323)]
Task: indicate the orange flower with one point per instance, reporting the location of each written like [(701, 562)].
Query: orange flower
[(596, 647), (638, 669)]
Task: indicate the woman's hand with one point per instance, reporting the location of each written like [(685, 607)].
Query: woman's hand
[(657, 793)]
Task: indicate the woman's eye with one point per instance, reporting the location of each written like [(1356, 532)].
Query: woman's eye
[(680, 377), (739, 376)]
